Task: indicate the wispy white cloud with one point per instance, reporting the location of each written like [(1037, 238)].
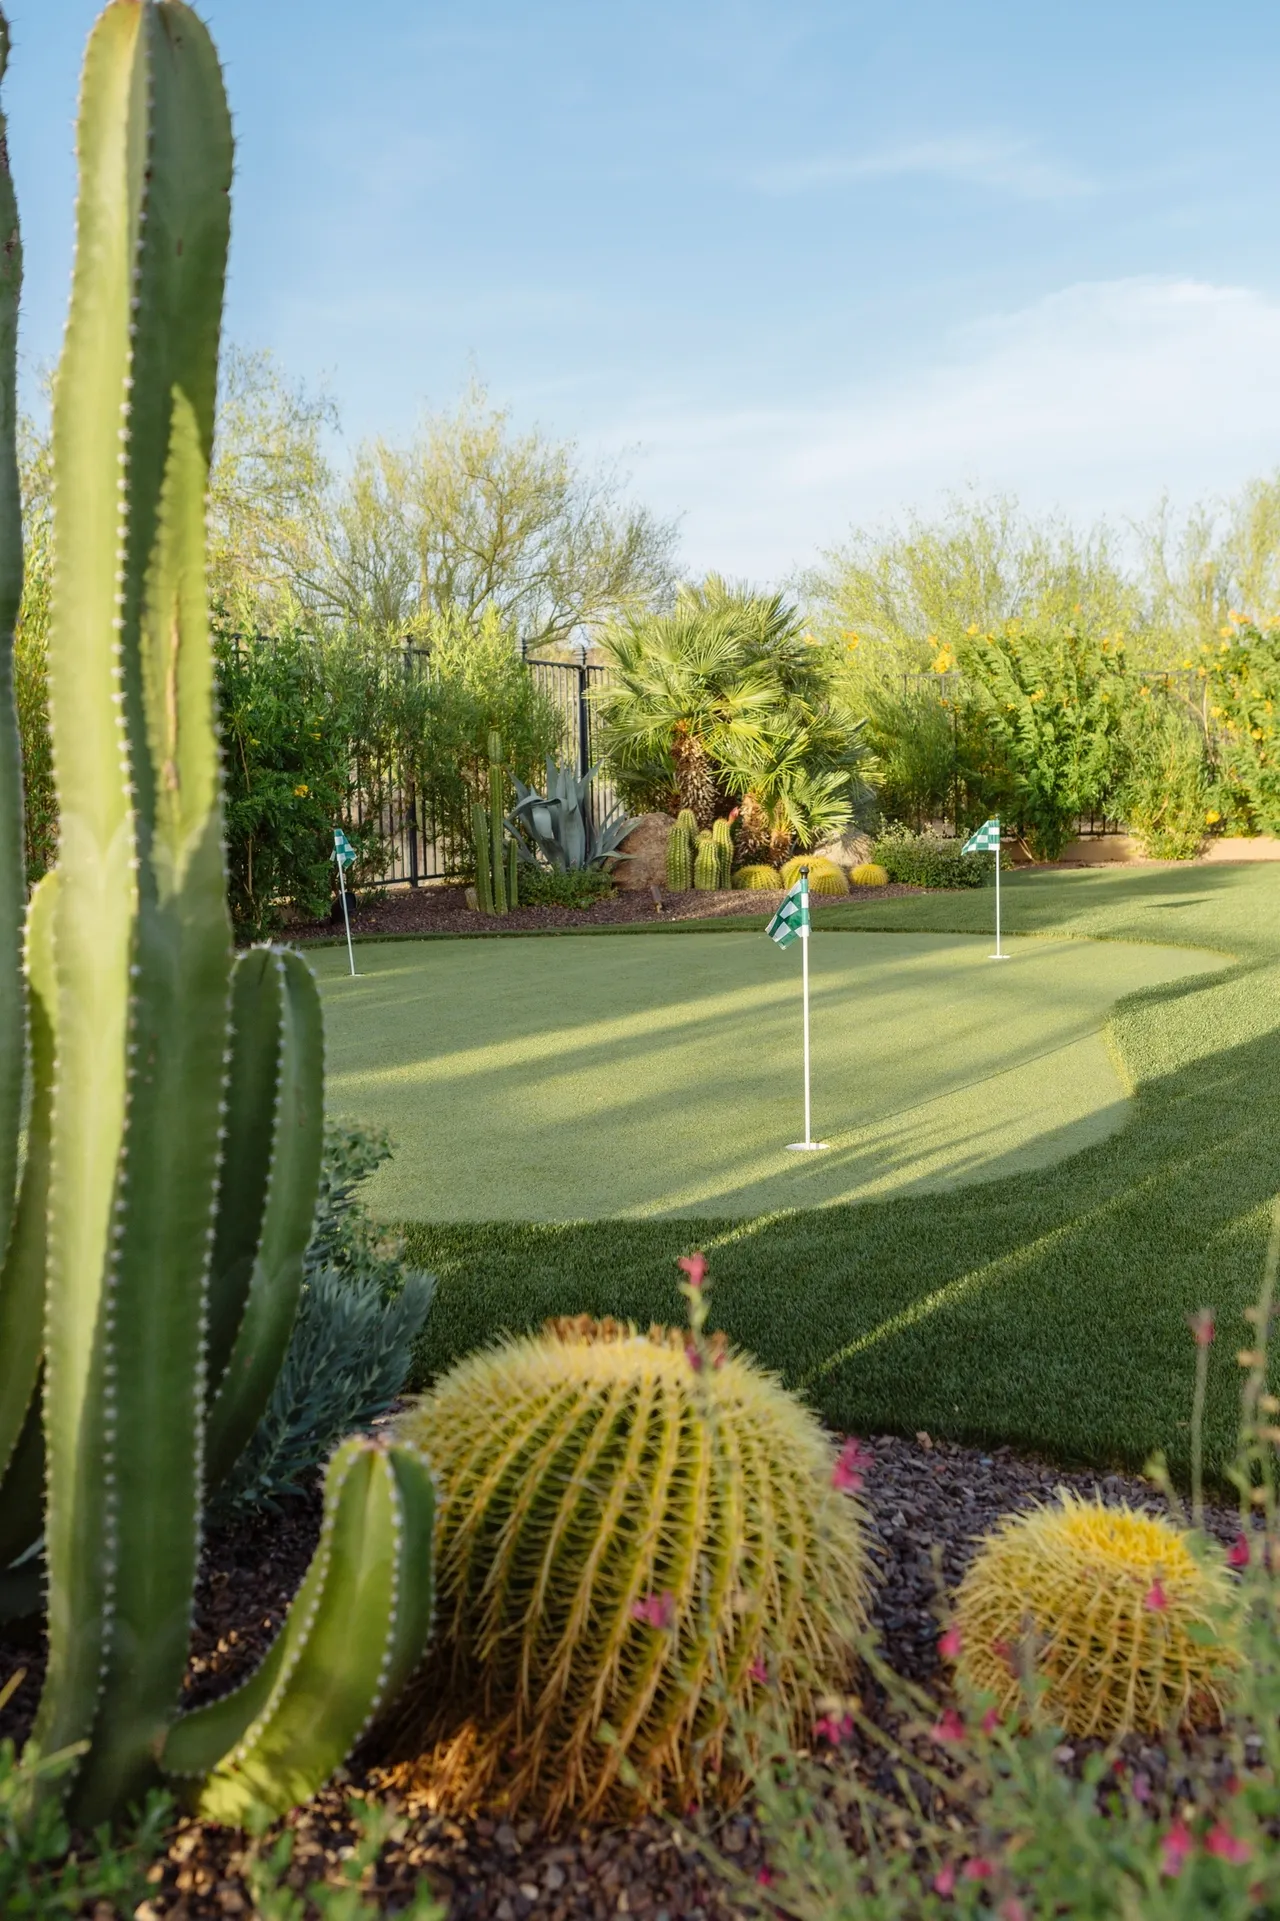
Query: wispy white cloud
[(1001, 166), (1095, 400)]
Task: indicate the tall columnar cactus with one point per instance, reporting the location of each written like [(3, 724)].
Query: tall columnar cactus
[(173, 1144), (679, 861), (706, 866), (722, 835), (624, 1540), (497, 816), (687, 824)]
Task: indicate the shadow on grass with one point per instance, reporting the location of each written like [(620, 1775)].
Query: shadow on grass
[(1048, 1309)]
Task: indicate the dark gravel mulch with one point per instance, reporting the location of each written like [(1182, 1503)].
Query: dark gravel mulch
[(928, 1502), (444, 910)]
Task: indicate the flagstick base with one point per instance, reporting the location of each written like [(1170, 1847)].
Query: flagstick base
[(806, 1147), (999, 956)]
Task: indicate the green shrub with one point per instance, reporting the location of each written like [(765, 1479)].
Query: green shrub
[(926, 860), (351, 1350), (1053, 704), (539, 887), (1242, 685), (1164, 795)]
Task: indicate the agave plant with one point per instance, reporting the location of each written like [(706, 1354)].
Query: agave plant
[(560, 825)]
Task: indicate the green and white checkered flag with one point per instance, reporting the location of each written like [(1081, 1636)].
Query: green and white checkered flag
[(791, 922), (986, 840), (343, 852)]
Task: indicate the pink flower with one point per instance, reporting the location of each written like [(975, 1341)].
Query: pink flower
[(949, 1644), (990, 1721), (1003, 1652), (656, 1610), (1202, 1327), (944, 1881), (1174, 1849), (1012, 1910), (1238, 1553), (765, 1878), (759, 1672), (828, 1728), (979, 1869), (693, 1355), (848, 1470), (1141, 1786), (1227, 1846), (1155, 1600), (695, 1266), (949, 1728)]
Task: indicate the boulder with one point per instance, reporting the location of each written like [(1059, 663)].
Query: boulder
[(647, 845), (849, 849)]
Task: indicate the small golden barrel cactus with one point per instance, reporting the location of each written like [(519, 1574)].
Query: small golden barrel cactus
[(1123, 1624), (869, 874), (759, 877), (824, 876), (631, 1543)]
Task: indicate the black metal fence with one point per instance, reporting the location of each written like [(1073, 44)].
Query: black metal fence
[(422, 841)]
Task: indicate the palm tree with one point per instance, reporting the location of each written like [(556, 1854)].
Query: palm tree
[(726, 700)]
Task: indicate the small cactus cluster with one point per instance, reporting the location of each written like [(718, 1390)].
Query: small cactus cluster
[(759, 878), (1123, 1627), (824, 875), (868, 874), (638, 1532), (699, 858)]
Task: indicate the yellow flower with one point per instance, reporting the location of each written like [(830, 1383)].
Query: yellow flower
[(1227, 635), (942, 662), (301, 790), (1145, 693), (974, 629), (1236, 617), (1186, 663), (1257, 733), (1212, 816)]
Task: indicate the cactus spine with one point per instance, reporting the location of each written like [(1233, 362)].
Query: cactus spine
[(174, 1130), (722, 835), (706, 868)]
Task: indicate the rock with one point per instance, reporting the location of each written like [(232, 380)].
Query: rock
[(647, 844), (849, 849)]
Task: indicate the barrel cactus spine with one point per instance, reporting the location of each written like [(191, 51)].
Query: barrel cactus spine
[(176, 1104), (868, 873), (758, 877), (825, 877), (740, 1558), (1124, 1625)]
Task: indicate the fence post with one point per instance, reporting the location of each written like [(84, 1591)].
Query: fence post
[(410, 792)]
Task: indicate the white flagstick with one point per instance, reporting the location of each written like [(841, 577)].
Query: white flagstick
[(808, 1145), (342, 889), (998, 955)]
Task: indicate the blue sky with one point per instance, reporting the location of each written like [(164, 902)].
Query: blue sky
[(800, 265)]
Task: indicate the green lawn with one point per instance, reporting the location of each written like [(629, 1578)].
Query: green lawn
[(628, 1079), (1045, 1307)]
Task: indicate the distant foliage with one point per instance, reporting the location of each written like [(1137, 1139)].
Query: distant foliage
[(541, 887), (1164, 794), (1241, 671), (927, 860)]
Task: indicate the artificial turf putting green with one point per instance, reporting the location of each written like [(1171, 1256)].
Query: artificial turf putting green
[(1047, 1309), (579, 1079)]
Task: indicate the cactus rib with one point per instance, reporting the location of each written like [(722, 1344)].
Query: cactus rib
[(12, 844), (141, 936), (354, 1634), (275, 1113)]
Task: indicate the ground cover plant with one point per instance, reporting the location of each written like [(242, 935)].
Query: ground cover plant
[(1065, 1290)]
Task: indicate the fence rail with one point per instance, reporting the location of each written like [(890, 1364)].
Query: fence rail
[(424, 843)]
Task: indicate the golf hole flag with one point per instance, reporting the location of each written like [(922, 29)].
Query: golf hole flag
[(791, 923), (344, 853), (987, 841)]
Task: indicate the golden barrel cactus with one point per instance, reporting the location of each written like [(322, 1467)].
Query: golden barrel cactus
[(824, 875), (636, 1534), (759, 878), (869, 874), (1124, 1624)]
